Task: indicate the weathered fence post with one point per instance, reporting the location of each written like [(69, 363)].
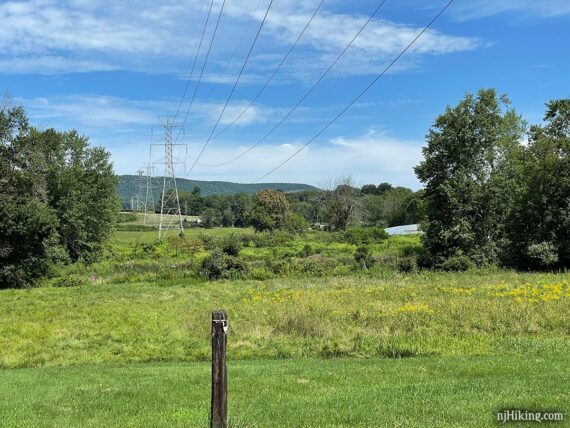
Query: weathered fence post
[(219, 403)]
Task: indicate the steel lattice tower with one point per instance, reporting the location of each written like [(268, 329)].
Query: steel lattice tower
[(170, 214), (139, 198), (149, 208)]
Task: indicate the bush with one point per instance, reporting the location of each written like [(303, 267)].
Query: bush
[(407, 264), (210, 242), (278, 267), (457, 264), (68, 281), (364, 235), (185, 245), (126, 217), (543, 255), (218, 265), (134, 228), (306, 251), (363, 257), (296, 223), (310, 267), (231, 245), (248, 240)]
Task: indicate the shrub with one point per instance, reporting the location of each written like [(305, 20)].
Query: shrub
[(310, 267), (306, 251), (68, 281), (185, 245), (341, 270), (134, 228), (407, 264), (155, 247), (218, 265), (363, 257), (543, 254), (364, 235), (210, 242), (278, 267), (231, 245), (296, 223), (126, 217), (457, 264), (248, 240)]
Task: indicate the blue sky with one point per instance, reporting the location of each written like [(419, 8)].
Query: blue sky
[(111, 69)]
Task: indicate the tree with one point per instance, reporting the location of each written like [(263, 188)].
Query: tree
[(227, 218), (369, 189), (383, 188), (540, 226), (270, 211), (469, 171), (27, 223), (240, 204), (395, 207), (209, 218), (57, 199), (342, 203), (81, 188), (296, 223)]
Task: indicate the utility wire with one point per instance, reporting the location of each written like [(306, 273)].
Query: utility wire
[(290, 112), (293, 46), (359, 95), (195, 60), (233, 89), (202, 71), (237, 46)]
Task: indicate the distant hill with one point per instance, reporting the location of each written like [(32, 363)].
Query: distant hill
[(128, 184)]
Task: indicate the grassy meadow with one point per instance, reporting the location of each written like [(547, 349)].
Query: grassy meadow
[(315, 338)]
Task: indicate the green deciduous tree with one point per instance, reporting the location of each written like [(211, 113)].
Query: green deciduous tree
[(81, 188), (270, 211), (541, 217), (57, 198), (470, 176), (27, 223)]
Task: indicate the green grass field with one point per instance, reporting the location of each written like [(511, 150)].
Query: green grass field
[(126, 341), (414, 392)]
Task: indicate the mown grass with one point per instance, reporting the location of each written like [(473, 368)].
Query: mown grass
[(424, 392)]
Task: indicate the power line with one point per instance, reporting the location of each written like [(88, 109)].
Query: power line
[(233, 88), (435, 18), (238, 44), (290, 112), (195, 59), (293, 46), (202, 71)]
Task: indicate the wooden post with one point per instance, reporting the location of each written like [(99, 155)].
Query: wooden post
[(219, 403)]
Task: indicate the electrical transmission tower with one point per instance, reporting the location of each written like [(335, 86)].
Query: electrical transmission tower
[(139, 198), (149, 207), (170, 213)]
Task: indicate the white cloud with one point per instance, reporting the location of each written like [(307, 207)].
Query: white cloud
[(371, 158), (483, 8), (122, 126), (91, 112), (50, 36)]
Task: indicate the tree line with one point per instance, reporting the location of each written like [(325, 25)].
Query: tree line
[(496, 192), (341, 205)]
